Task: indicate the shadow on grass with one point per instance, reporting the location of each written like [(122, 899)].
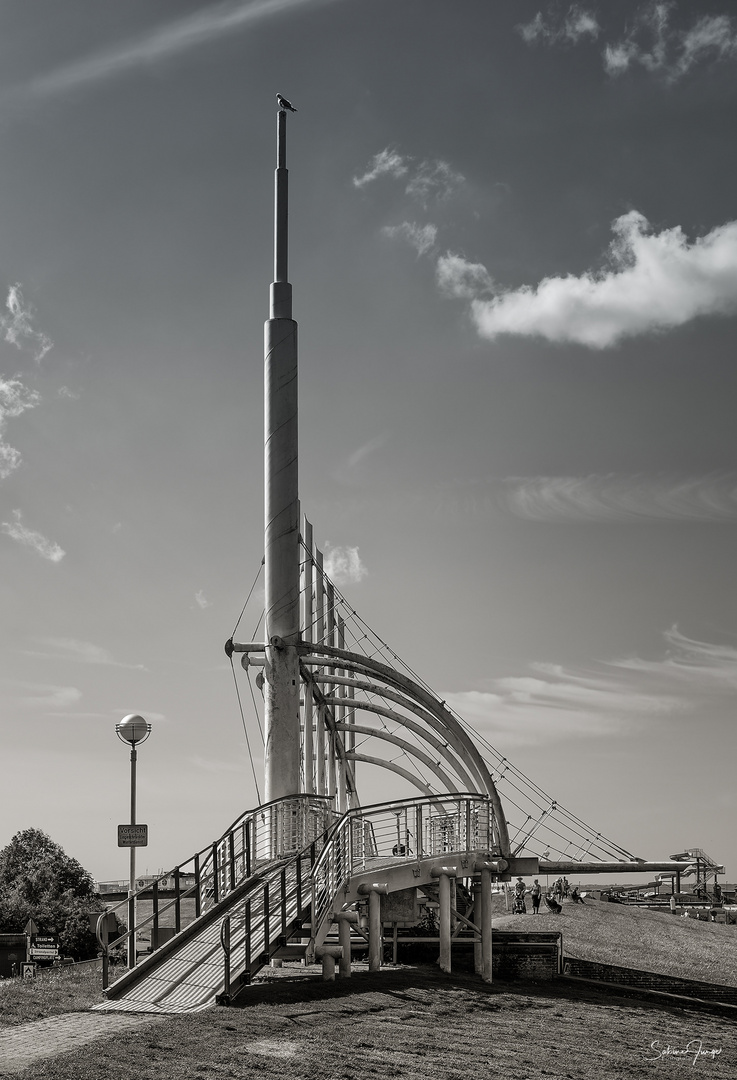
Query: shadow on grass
[(404, 983)]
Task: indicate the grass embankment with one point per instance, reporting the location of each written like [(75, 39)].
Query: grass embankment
[(410, 1023), (639, 938), (52, 992)]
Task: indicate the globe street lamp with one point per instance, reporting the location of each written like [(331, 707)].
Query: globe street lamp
[(132, 729)]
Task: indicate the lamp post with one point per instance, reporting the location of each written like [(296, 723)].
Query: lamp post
[(132, 729)]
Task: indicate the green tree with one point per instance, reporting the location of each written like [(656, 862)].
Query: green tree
[(39, 881)]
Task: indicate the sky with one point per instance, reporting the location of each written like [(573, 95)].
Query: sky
[(513, 234)]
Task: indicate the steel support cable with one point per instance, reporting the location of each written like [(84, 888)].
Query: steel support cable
[(245, 729), (530, 787), (250, 593)]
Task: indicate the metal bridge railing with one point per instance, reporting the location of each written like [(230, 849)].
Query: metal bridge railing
[(409, 829), (258, 837)]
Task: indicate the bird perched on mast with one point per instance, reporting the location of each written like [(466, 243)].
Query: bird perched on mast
[(284, 104)]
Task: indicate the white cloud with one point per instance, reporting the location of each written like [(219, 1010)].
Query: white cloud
[(695, 667), (83, 652), (52, 697), (343, 565), (577, 23), (47, 549), (434, 180), (420, 237), (622, 498), (201, 599), (65, 392), (651, 41), (191, 32), (15, 398), (552, 705), (655, 45), (428, 180), (17, 325), (654, 282), (386, 163), (367, 448), (459, 278)]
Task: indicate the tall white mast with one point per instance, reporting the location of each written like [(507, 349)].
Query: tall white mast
[(281, 499)]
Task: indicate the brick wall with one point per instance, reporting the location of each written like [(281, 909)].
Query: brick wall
[(649, 980), (525, 956)]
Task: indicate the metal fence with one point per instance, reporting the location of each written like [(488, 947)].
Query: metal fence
[(390, 833), (275, 830)]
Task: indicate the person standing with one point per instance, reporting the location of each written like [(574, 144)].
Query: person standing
[(519, 897), (536, 894)]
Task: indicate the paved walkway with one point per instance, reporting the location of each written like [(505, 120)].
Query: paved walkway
[(24, 1045)]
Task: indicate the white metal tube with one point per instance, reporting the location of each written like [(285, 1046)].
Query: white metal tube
[(445, 904), (281, 498), (375, 931), (132, 948), (485, 924)]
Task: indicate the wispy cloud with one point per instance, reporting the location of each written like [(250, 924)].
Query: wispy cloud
[(50, 696), (367, 448), (163, 43), (36, 541), (201, 600), (695, 666), (83, 652), (343, 564), (651, 282), (651, 41), (429, 180), (570, 28), (622, 498), (386, 163), (433, 180), (552, 703), (420, 237), (17, 326), (15, 398)]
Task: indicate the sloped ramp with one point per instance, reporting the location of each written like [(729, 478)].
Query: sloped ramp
[(188, 972)]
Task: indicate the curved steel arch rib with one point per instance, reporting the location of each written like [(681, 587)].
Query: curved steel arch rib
[(442, 719)]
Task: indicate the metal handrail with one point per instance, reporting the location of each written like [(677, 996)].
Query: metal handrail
[(440, 824), (252, 840)]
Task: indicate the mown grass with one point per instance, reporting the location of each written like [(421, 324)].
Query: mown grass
[(412, 1024), (54, 991), (639, 938)]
